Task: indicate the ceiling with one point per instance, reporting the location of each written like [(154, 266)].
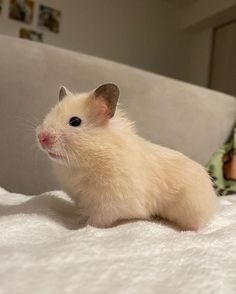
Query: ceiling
[(181, 3)]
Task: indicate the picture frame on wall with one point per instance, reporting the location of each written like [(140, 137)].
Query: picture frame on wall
[(30, 35), (49, 18), (22, 10), (0, 7)]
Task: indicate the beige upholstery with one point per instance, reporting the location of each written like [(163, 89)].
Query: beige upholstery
[(190, 119)]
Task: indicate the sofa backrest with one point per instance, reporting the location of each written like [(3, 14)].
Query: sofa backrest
[(191, 119)]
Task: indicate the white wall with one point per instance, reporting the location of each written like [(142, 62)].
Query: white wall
[(199, 20), (136, 32), (153, 35), (203, 13), (200, 57)]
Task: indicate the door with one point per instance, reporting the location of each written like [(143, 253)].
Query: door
[(223, 59)]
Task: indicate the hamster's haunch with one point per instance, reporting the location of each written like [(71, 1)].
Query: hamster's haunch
[(112, 173)]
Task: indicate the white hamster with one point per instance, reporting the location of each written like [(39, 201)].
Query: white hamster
[(112, 173)]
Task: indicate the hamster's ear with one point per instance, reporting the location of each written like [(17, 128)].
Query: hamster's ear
[(106, 97), (63, 92)]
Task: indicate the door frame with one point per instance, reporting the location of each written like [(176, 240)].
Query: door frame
[(212, 50)]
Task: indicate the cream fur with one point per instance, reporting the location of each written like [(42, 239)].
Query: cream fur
[(113, 174)]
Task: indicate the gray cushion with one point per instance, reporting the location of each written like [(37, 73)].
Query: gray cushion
[(187, 118)]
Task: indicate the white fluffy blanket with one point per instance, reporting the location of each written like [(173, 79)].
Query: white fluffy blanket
[(44, 249)]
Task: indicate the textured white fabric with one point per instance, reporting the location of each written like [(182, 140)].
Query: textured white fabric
[(43, 249)]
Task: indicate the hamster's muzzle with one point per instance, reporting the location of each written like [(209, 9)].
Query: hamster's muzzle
[(46, 139)]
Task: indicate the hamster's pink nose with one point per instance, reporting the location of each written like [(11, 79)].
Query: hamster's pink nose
[(46, 139)]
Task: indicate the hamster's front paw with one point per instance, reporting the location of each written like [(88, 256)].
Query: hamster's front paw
[(80, 214), (98, 222), (79, 211)]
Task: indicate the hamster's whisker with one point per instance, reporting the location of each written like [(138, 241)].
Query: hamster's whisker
[(33, 118), (36, 120), (27, 120), (29, 129), (27, 123), (72, 154), (36, 157), (69, 153), (67, 157)]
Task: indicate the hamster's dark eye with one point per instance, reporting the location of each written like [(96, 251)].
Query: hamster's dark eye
[(75, 121)]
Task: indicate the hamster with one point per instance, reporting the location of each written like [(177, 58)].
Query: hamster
[(112, 173)]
